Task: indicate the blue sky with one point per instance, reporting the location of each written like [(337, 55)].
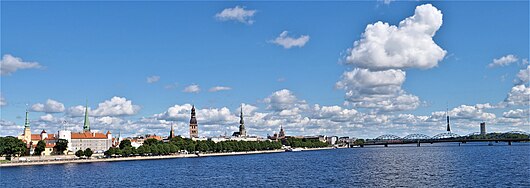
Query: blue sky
[(100, 51)]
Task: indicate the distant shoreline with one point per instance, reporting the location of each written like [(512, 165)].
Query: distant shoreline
[(93, 160)]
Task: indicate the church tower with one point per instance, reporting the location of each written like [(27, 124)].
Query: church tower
[(27, 130), (86, 125), (171, 133), (242, 131), (282, 132), (448, 127), (194, 132)]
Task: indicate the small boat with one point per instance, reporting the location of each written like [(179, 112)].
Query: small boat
[(293, 149)]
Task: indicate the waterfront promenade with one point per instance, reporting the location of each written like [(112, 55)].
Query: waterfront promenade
[(70, 159)]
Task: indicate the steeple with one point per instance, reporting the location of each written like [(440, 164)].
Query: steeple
[(171, 133), (26, 122), (448, 127), (86, 125), (242, 131), (194, 131)]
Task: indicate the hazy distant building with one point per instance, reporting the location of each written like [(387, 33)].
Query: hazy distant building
[(194, 131), (483, 128), (278, 136)]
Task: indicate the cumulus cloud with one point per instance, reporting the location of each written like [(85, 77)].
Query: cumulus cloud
[(519, 95), (236, 14), (503, 61), (153, 79), (523, 75), (192, 89), (116, 106), (408, 45), (289, 42), (10, 64), (283, 100), (51, 106), (381, 55), (219, 88), (3, 101), (47, 117), (517, 113)]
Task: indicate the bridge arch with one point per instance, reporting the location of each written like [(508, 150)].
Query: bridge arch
[(445, 135), (416, 137), (388, 137)]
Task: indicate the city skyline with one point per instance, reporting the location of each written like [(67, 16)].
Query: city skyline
[(358, 69)]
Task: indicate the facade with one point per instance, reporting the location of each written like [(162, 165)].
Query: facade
[(97, 142), (278, 136), (194, 132), (483, 128)]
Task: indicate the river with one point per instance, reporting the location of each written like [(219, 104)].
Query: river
[(436, 165)]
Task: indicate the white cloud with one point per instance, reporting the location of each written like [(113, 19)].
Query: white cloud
[(519, 96), (524, 75), (3, 101), (47, 117), (76, 111), (51, 106), (283, 100), (10, 64), (289, 42), (219, 88), (237, 14), (108, 120), (517, 113), (194, 88), (503, 61), (409, 45), (116, 106), (153, 79), (381, 55)]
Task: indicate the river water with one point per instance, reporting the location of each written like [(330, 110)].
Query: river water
[(437, 165)]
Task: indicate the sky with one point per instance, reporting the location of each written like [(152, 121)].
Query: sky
[(359, 69)]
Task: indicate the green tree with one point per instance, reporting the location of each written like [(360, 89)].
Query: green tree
[(41, 146), (11, 146), (140, 150), (61, 145), (127, 151), (151, 141), (79, 153), (88, 152), (125, 143), (111, 151)]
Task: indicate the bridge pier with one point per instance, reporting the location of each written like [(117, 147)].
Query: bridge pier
[(418, 143), (509, 143), (386, 145)]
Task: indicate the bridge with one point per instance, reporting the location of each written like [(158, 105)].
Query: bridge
[(388, 139)]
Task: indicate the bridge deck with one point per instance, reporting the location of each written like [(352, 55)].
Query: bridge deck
[(394, 142)]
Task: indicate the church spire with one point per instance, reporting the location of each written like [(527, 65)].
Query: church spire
[(86, 125), (241, 116), (26, 122), (242, 130), (171, 133), (448, 127)]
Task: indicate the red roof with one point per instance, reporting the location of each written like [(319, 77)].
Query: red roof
[(51, 137), (88, 135), (50, 145), (35, 137)]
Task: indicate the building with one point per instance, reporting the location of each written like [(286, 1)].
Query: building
[(171, 133), (97, 142), (483, 128), (194, 132), (242, 131), (332, 140), (278, 136)]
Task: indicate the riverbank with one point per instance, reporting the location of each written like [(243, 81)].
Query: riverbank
[(93, 160)]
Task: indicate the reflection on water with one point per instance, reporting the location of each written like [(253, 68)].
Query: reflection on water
[(436, 165)]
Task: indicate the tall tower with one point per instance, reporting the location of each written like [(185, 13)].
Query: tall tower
[(448, 127), (242, 131), (282, 132), (27, 130), (86, 125), (194, 132), (171, 133)]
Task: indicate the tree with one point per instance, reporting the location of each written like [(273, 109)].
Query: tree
[(61, 146), (11, 146), (151, 141), (41, 146), (79, 153), (111, 151), (125, 143), (88, 152)]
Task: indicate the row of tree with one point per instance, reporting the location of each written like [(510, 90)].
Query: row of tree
[(87, 153), (11, 146), (304, 143), (179, 144)]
